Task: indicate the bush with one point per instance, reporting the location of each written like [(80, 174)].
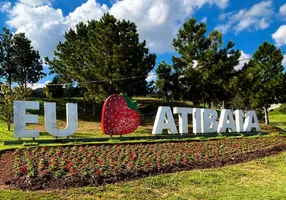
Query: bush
[(282, 108)]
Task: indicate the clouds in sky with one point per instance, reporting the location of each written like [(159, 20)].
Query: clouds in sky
[(280, 36), (5, 6), (284, 60), (157, 21), (257, 17), (282, 10), (244, 58)]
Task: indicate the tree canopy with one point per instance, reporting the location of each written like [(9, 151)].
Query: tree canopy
[(204, 67), (264, 78), (102, 56), (19, 62)]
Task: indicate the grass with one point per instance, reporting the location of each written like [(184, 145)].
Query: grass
[(277, 119), (259, 179)]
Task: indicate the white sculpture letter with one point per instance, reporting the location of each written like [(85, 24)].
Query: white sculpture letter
[(183, 118), (21, 119), (50, 120), (251, 121), (164, 120), (197, 126), (226, 121), (209, 123), (239, 120)]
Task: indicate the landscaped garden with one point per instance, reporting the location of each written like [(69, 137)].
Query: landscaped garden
[(233, 148)]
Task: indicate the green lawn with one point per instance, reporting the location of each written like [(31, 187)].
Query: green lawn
[(277, 119), (259, 179)]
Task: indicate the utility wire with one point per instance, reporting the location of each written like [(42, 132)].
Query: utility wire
[(125, 78)]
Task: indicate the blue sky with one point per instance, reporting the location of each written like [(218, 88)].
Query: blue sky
[(247, 23)]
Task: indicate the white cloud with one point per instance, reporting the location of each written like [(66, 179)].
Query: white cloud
[(87, 11), (284, 60), (151, 77), (221, 3), (204, 20), (244, 58), (35, 2), (157, 21), (43, 25), (37, 85), (257, 17), (280, 36), (282, 10), (5, 7)]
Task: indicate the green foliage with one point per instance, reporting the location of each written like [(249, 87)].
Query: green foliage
[(282, 108), (205, 68), (52, 90), (164, 81), (28, 61), (7, 66), (19, 62), (108, 49), (8, 96), (263, 79), (38, 92)]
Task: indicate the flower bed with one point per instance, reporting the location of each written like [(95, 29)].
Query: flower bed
[(38, 168)]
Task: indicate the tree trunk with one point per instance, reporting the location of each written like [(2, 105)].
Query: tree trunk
[(93, 107), (266, 116), (9, 125), (84, 107), (70, 94)]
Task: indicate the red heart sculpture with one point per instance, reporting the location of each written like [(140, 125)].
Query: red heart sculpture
[(119, 115)]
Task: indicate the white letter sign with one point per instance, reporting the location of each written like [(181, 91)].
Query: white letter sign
[(251, 121), (164, 120), (226, 121), (183, 118), (21, 119), (50, 119), (209, 123)]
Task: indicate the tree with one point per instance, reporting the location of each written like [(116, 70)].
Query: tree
[(19, 62), (7, 65), (102, 55), (9, 95), (205, 68), (265, 78), (27, 60), (54, 89), (164, 80)]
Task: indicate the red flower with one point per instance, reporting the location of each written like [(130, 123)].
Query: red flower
[(23, 169)]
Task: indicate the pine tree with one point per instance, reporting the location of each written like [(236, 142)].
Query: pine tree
[(19, 62), (205, 68), (265, 78), (164, 80), (7, 65), (107, 50), (27, 60)]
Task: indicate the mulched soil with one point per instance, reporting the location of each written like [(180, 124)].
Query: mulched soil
[(6, 168), (7, 176)]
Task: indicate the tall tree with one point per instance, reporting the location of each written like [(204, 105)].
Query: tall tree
[(19, 62), (27, 60), (107, 50), (164, 80), (7, 65), (265, 77), (205, 68)]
